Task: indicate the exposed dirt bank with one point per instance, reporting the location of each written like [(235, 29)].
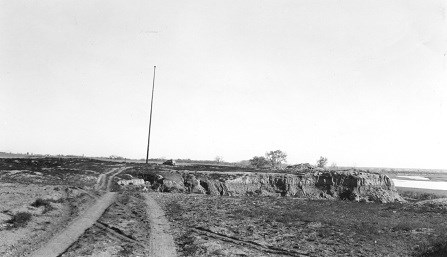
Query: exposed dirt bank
[(355, 185)]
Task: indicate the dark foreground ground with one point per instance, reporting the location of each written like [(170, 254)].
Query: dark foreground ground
[(278, 226), (123, 230)]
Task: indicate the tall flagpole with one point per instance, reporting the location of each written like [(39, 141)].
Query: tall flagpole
[(150, 118)]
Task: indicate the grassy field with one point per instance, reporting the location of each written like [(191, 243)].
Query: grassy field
[(419, 194)]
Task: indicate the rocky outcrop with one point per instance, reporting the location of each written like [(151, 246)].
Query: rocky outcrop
[(354, 185), (134, 182)]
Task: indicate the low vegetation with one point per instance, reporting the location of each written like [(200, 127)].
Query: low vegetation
[(259, 162), (19, 220), (418, 196), (80, 172), (436, 247), (314, 227), (46, 203)]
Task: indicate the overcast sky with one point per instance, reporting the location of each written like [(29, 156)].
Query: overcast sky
[(361, 82)]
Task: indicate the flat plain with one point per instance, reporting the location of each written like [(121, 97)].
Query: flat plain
[(55, 191), (266, 226)]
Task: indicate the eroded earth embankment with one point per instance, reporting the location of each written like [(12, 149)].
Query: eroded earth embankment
[(355, 185)]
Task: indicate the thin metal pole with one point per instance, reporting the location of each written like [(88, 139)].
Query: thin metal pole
[(150, 118)]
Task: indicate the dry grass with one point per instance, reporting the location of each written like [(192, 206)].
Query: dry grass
[(416, 194), (434, 247)]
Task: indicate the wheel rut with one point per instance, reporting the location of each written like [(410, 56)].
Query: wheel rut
[(64, 239), (238, 241), (161, 242)]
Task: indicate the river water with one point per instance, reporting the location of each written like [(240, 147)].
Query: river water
[(419, 182)]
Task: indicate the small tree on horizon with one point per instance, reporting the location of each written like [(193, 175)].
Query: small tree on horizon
[(321, 163), (259, 162), (276, 158), (218, 159)]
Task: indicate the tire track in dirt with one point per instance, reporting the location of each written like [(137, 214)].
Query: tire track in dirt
[(161, 242), (246, 243), (64, 239), (117, 233), (102, 180)]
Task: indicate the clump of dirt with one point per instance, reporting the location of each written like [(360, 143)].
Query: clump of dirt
[(279, 226)]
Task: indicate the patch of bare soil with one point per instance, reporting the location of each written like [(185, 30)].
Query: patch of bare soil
[(40, 196), (50, 207), (283, 226), (123, 230)]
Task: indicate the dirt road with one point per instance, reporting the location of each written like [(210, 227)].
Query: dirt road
[(60, 242), (102, 183), (161, 242)]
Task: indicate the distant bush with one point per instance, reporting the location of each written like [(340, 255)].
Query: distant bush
[(321, 163), (20, 219), (272, 159), (259, 162), (218, 159), (276, 158)]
